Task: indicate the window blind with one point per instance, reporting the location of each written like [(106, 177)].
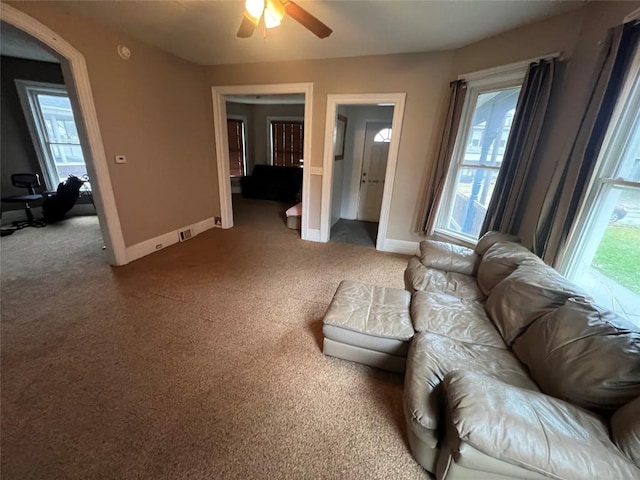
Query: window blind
[(236, 147), (288, 143)]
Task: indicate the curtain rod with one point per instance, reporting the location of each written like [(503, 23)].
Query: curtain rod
[(511, 66)]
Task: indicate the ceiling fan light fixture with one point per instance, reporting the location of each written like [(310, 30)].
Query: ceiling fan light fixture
[(273, 13), (254, 9)]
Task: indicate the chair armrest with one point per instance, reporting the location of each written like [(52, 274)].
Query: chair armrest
[(532, 430), (448, 257)]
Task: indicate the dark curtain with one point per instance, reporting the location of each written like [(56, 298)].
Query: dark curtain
[(564, 197), (443, 158), (520, 162)]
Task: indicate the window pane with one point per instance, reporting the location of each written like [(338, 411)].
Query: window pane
[(58, 118), (630, 165), (68, 160), (474, 188), (609, 267), (485, 129), (383, 136), (490, 127)]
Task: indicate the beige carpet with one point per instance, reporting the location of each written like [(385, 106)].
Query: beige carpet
[(201, 361)]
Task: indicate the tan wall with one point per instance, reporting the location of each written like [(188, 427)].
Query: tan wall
[(424, 77), (156, 110)]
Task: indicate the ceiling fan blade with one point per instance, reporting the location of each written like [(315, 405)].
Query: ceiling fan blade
[(247, 27), (305, 19)]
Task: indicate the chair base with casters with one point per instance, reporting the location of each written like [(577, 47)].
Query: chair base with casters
[(29, 181)]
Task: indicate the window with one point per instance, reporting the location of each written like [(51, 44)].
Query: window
[(383, 136), (236, 137), (484, 130), (48, 112), (287, 142), (603, 252)]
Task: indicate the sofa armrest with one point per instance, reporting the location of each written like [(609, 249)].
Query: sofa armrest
[(532, 430), (448, 257)]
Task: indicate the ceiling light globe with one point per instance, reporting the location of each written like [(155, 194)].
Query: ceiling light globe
[(273, 14), (254, 8)]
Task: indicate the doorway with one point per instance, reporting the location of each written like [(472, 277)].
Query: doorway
[(75, 74), (220, 97), (359, 166)]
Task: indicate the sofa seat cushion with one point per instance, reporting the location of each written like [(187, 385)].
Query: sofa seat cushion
[(418, 277), (448, 257), (454, 317), (528, 293), (499, 261), (583, 354), (536, 431), (432, 356), (375, 311)]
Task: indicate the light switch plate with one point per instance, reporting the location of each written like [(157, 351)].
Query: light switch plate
[(317, 170), (121, 159)]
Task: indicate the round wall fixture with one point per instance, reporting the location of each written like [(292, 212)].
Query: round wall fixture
[(124, 52)]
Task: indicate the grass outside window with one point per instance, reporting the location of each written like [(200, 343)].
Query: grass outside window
[(618, 256)]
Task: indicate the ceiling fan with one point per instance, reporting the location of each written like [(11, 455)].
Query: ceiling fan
[(273, 12)]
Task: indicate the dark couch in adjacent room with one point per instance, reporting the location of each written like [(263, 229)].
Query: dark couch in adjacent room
[(268, 182)]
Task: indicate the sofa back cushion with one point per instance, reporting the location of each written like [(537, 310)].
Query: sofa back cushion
[(448, 257), (584, 354), (489, 238), (531, 291), (625, 429), (499, 261)]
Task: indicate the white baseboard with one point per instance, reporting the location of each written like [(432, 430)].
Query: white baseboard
[(152, 245), (401, 246), (313, 235)]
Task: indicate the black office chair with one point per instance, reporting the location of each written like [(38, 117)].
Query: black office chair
[(30, 181)]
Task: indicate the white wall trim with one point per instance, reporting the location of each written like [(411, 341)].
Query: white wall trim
[(401, 246), (96, 162), (147, 247), (222, 149), (313, 235), (507, 71), (333, 100)]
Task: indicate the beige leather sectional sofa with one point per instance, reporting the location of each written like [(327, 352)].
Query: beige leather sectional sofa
[(514, 372)]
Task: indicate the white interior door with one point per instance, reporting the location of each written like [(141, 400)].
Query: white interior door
[(374, 165)]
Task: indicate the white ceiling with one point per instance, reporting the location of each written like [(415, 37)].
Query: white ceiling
[(204, 31)]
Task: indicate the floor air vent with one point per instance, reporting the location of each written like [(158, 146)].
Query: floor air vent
[(185, 234)]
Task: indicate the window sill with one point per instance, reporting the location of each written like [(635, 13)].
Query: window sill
[(448, 236)]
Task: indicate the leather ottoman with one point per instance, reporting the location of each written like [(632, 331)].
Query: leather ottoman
[(369, 325)]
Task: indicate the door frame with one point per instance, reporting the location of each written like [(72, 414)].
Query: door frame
[(364, 147), (222, 148), (397, 100), (76, 75)]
